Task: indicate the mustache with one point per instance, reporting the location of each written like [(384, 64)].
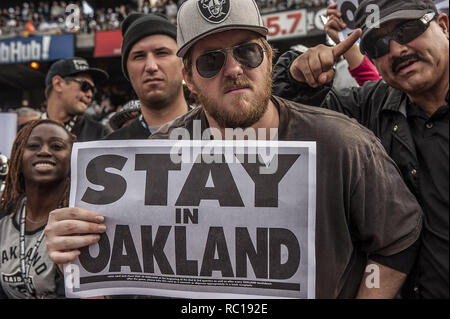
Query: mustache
[(242, 81), (400, 60)]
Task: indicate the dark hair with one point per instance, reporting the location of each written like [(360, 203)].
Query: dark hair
[(48, 90), (138, 26), (15, 185)]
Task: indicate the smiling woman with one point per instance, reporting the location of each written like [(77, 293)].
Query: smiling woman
[(37, 183)]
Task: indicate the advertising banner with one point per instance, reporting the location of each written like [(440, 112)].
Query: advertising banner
[(294, 23), (36, 48), (108, 43), (196, 219)]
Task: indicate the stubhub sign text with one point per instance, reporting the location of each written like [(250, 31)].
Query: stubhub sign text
[(36, 48)]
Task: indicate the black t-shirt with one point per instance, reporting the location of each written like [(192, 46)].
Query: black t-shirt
[(86, 129), (431, 141), (363, 207), (135, 130)]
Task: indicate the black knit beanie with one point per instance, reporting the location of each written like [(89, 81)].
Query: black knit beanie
[(139, 25)]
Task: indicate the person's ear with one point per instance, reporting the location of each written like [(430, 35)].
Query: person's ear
[(188, 81), (443, 22), (57, 83)]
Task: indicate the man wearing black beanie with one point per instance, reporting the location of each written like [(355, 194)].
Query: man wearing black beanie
[(150, 63)]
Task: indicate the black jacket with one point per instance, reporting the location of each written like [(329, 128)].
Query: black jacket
[(133, 131), (86, 129), (375, 105)]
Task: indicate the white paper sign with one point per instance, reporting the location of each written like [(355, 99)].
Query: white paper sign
[(197, 219), (348, 9)]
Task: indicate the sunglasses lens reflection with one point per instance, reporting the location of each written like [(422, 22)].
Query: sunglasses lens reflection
[(249, 55)]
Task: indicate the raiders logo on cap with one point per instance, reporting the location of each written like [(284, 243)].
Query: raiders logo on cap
[(214, 11)]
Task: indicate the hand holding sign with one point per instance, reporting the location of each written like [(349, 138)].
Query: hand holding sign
[(69, 229), (315, 66)]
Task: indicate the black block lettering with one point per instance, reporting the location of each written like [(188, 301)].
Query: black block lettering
[(266, 185), (123, 238), (184, 266), (224, 190), (157, 167), (244, 248), (283, 237), (115, 185), (216, 241), (96, 264), (155, 249)]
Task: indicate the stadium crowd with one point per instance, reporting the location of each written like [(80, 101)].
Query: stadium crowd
[(50, 16), (382, 138)]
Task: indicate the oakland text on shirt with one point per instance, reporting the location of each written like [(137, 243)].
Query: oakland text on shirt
[(12, 253)]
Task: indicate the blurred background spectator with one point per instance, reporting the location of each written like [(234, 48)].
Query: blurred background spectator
[(21, 84), (26, 114), (49, 16)]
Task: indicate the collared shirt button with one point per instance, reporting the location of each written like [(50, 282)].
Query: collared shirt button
[(429, 125), (414, 172), (395, 129)]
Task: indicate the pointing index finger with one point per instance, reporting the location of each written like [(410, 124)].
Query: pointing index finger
[(345, 45)]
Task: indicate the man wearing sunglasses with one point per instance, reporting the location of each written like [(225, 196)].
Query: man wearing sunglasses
[(407, 110), (360, 195), (228, 66), (70, 88)]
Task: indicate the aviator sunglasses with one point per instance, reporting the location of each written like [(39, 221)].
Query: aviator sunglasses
[(249, 55), (85, 86), (377, 47)]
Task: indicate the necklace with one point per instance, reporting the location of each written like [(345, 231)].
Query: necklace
[(37, 221), (25, 265)]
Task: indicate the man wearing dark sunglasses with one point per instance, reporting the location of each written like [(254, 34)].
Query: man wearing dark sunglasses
[(70, 88), (407, 110), (228, 66), (363, 207)]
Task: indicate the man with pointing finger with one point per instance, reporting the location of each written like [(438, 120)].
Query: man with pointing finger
[(359, 217), (227, 65), (407, 110)]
